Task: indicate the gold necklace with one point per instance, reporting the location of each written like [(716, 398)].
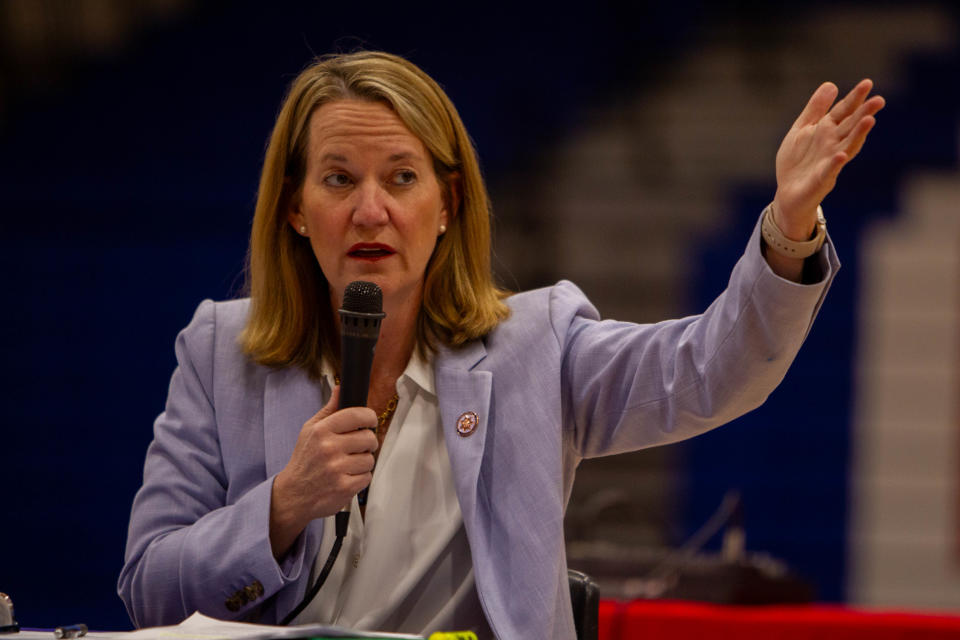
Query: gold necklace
[(384, 418)]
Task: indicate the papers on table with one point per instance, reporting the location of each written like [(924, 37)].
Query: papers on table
[(201, 627)]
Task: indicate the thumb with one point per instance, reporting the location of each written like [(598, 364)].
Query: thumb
[(332, 404)]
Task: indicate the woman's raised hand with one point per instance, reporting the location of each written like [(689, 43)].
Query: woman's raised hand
[(822, 140), (331, 462)]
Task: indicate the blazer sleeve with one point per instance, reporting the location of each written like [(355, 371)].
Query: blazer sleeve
[(627, 386), (189, 547)]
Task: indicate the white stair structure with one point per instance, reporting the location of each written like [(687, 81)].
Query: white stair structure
[(905, 521)]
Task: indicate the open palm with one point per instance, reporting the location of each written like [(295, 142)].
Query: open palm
[(820, 143)]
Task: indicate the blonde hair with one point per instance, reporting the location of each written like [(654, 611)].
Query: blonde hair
[(291, 320)]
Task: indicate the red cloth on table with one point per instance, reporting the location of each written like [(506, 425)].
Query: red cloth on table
[(674, 620)]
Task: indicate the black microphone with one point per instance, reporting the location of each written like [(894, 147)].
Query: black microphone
[(360, 316)]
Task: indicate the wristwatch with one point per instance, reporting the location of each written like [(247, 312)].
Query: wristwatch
[(791, 248)]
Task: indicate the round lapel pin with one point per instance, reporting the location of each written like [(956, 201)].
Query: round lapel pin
[(467, 423)]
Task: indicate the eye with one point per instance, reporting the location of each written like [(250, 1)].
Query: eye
[(404, 177), (337, 180)]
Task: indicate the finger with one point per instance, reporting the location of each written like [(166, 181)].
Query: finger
[(830, 169), (359, 441), (818, 105), (354, 484), (859, 136), (851, 101), (351, 419), (875, 104), (359, 464), (868, 108), (331, 406)]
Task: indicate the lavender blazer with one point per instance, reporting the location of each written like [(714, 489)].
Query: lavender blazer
[(551, 385)]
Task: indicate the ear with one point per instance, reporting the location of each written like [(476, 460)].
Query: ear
[(291, 201), (296, 221), (452, 200)]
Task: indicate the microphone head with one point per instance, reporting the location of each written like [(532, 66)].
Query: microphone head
[(361, 296)]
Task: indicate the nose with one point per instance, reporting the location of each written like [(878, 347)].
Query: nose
[(370, 205)]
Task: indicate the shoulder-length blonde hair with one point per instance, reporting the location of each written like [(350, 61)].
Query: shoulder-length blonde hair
[(291, 321)]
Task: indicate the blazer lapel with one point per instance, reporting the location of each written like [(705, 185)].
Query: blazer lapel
[(512, 597), (461, 390)]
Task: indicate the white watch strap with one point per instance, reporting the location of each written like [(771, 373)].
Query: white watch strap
[(791, 248)]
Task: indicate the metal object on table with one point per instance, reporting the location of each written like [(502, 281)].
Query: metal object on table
[(70, 631), (8, 624)]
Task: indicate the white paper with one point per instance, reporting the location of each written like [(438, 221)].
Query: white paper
[(201, 627)]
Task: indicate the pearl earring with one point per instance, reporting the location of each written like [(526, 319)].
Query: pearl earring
[(303, 230), (443, 229)]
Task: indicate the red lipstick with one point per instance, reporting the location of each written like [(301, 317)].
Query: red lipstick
[(371, 251)]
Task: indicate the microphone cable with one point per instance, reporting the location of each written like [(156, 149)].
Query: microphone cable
[(360, 317), (342, 520)]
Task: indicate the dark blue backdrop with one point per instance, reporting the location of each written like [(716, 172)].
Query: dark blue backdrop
[(127, 195)]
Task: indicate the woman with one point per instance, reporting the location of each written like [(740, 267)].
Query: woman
[(480, 405)]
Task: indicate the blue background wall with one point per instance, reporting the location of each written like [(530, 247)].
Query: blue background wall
[(127, 191)]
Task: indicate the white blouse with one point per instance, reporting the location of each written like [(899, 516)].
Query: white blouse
[(406, 567)]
